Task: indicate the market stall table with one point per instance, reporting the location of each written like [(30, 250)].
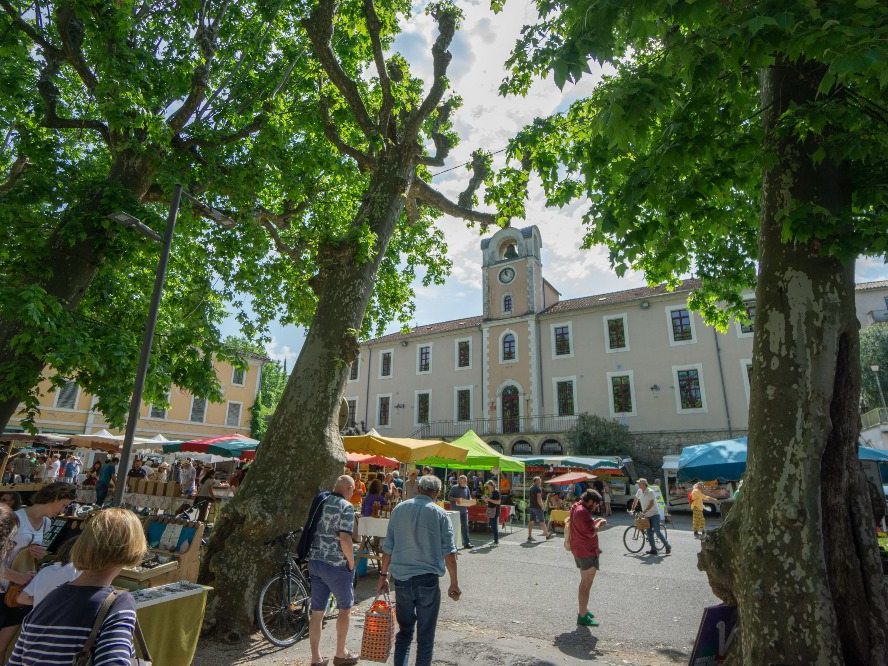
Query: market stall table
[(558, 516), (171, 617)]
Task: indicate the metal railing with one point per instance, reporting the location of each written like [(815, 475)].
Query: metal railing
[(503, 426), (874, 417)]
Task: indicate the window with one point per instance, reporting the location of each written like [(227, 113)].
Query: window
[(561, 341), (689, 393), (615, 337), (385, 363), (508, 351), (352, 412), (67, 395), (198, 409), (383, 406), (159, 412), (522, 448), (423, 359), (423, 407), (464, 353), (507, 304), (621, 393), (681, 326), (564, 396), (238, 376), (496, 446), (463, 403), (746, 328), (746, 373), (353, 370), (233, 415), (551, 447)]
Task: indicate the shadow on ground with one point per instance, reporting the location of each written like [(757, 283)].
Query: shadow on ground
[(579, 644)]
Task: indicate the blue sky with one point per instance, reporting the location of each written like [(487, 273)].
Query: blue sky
[(487, 120)]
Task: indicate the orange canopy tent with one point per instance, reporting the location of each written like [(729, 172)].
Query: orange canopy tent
[(403, 449)]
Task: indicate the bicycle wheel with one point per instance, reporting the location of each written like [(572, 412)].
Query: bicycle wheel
[(633, 539), (283, 609), (658, 541)]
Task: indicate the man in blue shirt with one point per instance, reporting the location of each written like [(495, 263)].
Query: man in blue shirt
[(418, 547), (106, 480)]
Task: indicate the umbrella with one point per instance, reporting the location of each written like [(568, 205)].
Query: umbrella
[(366, 459), (569, 478), (230, 446), (403, 449), (724, 459)]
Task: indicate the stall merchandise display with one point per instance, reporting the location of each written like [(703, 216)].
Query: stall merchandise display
[(171, 616)]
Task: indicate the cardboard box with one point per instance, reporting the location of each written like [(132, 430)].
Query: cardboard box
[(141, 486), (172, 489), (131, 484)]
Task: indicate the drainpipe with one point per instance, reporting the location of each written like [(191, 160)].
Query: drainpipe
[(367, 395), (721, 373)]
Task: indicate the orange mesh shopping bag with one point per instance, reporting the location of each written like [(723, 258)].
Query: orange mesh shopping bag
[(379, 630)]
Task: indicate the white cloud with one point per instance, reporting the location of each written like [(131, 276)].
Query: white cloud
[(277, 351)]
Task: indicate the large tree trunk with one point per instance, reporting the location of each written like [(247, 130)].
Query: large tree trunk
[(302, 451), (69, 265), (798, 553)]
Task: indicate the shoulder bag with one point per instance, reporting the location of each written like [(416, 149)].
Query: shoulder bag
[(84, 657)]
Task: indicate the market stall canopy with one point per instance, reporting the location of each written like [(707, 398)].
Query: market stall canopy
[(229, 446), (366, 459), (570, 478), (724, 459), (42, 439), (581, 462), (105, 441), (480, 456), (402, 448), (869, 453)]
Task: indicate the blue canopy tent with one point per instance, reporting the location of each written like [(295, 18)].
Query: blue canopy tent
[(869, 453), (725, 459)]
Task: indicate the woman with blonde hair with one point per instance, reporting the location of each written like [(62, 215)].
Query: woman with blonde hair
[(57, 631), (698, 521)]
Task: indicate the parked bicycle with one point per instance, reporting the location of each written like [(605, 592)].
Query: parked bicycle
[(634, 539), (284, 602)]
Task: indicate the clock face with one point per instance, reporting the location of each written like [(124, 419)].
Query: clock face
[(507, 275)]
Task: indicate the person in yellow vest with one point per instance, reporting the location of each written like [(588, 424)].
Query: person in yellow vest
[(697, 496)]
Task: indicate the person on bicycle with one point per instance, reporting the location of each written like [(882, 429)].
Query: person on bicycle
[(584, 528), (645, 496), (331, 565)]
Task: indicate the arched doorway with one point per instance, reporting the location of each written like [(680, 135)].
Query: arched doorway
[(522, 448), (552, 447), (496, 446), (511, 409)]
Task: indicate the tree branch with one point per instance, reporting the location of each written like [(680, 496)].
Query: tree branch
[(374, 28), (428, 195), (447, 21), (365, 162), (250, 128), (30, 31), (18, 167), (50, 94), (319, 27), (442, 142), (71, 31), (205, 36)]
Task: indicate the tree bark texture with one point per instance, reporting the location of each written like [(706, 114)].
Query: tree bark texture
[(72, 258), (275, 496), (798, 553)]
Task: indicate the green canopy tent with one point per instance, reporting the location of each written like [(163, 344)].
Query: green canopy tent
[(481, 457)]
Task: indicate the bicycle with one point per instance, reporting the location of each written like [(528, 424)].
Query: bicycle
[(634, 539), (284, 602)]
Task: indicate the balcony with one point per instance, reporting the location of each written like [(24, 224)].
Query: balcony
[(873, 418), (879, 316), (504, 426)]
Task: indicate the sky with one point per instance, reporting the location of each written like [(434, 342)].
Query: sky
[(487, 120)]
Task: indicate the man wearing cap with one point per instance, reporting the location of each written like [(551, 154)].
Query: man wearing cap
[(418, 548)]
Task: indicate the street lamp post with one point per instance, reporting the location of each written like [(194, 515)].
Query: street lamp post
[(159, 278), (875, 369)]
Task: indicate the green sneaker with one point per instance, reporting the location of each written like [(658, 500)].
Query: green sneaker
[(586, 621), (590, 614)]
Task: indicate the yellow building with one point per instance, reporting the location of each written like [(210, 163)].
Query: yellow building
[(68, 410)]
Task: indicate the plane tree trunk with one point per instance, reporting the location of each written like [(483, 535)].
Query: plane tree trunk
[(798, 554), (302, 451)]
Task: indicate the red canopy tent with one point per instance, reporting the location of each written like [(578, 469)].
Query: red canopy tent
[(368, 459)]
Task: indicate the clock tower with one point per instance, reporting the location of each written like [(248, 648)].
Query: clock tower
[(512, 274)]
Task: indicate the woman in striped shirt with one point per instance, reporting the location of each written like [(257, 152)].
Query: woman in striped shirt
[(56, 630)]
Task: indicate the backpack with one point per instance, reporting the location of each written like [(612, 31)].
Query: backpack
[(311, 524), (567, 533)]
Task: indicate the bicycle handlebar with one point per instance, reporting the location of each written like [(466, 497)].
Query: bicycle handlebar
[(282, 539)]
